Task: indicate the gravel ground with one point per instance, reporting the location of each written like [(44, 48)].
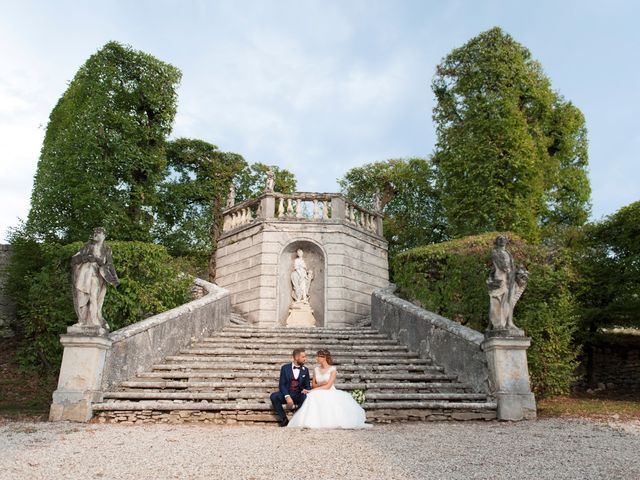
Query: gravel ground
[(549, 448)]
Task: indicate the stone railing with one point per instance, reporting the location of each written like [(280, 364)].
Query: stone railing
[(92, 365), (303, 207), (455, 347)]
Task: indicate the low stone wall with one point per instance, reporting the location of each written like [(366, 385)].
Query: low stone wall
[(137, 347), (457, 348), (7, 309), (616, 367)]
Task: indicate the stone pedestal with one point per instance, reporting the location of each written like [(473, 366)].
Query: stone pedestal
[(79, 384), (509, 376), (301, 315)]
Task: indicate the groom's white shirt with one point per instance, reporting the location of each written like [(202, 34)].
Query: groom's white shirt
[(296, 371)]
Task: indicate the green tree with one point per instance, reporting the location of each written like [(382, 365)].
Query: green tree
[(408, 199), (103, 152), (511, 153), (608, 262), (193, 193), (251, 181)]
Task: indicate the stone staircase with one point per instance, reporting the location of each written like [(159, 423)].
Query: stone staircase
[(228, 378)]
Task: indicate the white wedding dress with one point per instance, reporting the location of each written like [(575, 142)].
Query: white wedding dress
[(330, 408)]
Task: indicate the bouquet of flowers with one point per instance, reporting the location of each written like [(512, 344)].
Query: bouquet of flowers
[(358, 396)]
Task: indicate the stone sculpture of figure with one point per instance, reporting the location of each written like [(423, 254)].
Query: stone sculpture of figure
[(271, 181), (301, 279), (92, 269), (231, 199), (377, 207), (506, 285)]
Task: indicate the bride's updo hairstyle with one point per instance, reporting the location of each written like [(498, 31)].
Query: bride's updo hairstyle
[(326, 354)]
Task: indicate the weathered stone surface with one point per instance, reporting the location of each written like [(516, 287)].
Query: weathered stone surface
[(91, 364), (449, 344), (349, 261), (137, 347), (509, 377)]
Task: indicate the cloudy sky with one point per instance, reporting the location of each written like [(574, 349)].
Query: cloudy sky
[(318, 87)]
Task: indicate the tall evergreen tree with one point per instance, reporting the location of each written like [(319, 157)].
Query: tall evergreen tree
[(103, 152), (511, 153)]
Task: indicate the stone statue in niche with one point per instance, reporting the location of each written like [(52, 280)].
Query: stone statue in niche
[(301, 279), (231, 199), (92, 270), (270, 184), (506, 285), (300, 311)]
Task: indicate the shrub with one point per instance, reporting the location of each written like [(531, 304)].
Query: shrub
[(40, 283), (450, 279)]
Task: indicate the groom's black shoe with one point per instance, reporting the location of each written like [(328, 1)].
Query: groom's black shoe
[(284, 423)]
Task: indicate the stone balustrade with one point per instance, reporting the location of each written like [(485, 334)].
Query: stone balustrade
[(303, 207)]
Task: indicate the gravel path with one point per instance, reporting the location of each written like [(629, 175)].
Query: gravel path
[(549, 448)]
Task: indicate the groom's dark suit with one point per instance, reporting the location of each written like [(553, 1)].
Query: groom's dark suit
[(290, 386)]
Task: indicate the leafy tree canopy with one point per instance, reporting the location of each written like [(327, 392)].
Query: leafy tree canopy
[(103, 151), (413, 215), (511, 153), (609, 264), (252, 179)]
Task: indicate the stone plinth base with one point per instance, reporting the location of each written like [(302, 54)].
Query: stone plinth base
[(80, 377), (509, 376), (301, 315)]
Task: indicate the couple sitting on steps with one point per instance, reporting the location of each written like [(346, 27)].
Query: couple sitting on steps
[(319, 404)]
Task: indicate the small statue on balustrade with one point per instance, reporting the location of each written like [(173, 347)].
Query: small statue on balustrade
[(270, 184), (92, 270), (231, 199), (506, 284)]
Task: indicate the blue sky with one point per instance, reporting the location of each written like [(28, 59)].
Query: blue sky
[(319, 86)]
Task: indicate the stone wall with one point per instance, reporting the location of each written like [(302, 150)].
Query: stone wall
[(616, 367), (137, 347), (254, 264), (455, 347), (7, 309)]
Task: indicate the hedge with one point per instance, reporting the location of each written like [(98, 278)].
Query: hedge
[(40, 283), (450, 279)]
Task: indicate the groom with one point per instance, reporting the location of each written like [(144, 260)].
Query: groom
[(293, 386)]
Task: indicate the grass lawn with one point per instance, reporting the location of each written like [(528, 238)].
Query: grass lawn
[(589, 407)]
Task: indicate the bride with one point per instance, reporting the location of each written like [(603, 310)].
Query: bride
[(326, 406)]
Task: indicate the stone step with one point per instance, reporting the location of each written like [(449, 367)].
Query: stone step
[(227, 395), (450, 396), (294, 342), (279, 352), (231, 395), (273, 386), (310, 345), (159, 405), (275, 368), (310, 348), (301, 335), (282, 359), (364, 375), (315, 330)]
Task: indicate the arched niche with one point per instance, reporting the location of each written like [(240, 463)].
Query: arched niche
[(315, 259)]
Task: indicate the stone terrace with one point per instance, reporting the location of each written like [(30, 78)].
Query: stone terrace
[(228, 379)]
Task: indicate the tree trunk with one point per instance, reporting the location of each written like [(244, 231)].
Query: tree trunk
[(216, 231)]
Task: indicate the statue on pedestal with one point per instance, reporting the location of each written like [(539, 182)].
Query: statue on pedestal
[(506, 285), (231, 199), (301, 279), (92, 270), (300, 311), (270, 184)]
